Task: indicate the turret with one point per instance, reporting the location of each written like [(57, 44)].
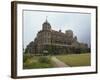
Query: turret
[(69, 33), (46, 25)]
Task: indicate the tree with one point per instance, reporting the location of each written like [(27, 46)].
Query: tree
[(26, 50)]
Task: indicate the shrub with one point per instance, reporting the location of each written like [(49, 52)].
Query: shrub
[(26, 57), (44, 59)]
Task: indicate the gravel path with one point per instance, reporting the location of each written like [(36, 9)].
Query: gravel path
[(58, 63)]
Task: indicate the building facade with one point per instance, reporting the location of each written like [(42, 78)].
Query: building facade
[(49, 41)]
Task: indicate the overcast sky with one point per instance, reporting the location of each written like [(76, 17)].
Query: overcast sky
[(79, 23)]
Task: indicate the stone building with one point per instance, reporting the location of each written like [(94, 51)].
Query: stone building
[(49, 41)]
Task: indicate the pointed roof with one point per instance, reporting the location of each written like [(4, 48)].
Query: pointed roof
[(46, 22)]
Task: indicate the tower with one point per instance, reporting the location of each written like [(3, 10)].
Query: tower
[(46, 25), (69, 33)]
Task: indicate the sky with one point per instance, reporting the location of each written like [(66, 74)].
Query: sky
[(79, 23)]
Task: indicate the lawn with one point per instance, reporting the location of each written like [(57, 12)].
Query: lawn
[(76, 59), (72, 60), (31, 62)]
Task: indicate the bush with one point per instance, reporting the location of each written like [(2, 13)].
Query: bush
[(44, 59), (26, 57)]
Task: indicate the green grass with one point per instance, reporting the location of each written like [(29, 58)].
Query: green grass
[(76, 59), (31, 62)]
